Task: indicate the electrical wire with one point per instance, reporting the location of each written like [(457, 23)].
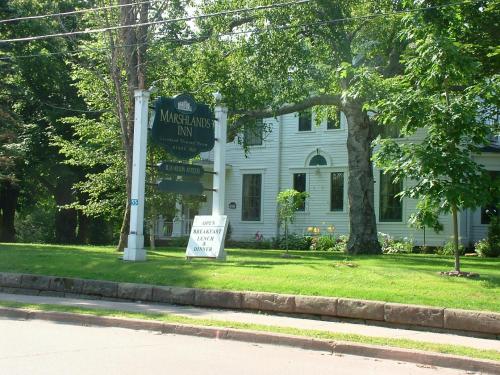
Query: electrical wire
[(80, 11), (171, 20), (252, 31)]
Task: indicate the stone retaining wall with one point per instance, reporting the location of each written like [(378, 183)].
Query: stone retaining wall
[(394, 313)]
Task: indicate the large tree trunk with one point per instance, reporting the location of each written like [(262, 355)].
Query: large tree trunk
[(126, 215), (152, 232), (83, 225), (9, 194), (363, 226)]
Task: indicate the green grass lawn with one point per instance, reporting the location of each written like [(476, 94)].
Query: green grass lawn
[(405, 278)]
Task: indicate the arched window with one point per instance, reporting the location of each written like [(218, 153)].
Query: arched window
[(317, 160)]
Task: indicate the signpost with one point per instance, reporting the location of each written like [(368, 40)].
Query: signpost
[(135, 245), (184, 128)]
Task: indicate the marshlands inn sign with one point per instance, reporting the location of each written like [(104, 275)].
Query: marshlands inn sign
[(182, 126)]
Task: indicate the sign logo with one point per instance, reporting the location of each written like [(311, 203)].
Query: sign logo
[(185, 103)]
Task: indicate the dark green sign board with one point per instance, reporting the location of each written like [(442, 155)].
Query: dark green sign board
[(182, 126), (178, 169), (181, 187)]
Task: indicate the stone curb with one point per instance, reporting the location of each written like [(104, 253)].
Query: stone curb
[(479, 322), (339, 347)]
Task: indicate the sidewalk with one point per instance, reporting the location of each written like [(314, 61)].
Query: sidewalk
[(270, 320)]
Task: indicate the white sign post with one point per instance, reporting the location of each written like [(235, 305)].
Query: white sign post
[(209, 232), (135, 250), (219, 157)]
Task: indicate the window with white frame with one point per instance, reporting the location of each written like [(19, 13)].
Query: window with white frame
[(333, 122), (305, 121), (390, 205), (253, 134), (251, 197), (337, 191), (299, 184), (492, 209)]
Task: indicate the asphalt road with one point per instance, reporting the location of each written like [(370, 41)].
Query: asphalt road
[(40, 347)]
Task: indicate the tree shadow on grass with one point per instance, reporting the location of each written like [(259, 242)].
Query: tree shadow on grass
[(490, 282), (433, 262)]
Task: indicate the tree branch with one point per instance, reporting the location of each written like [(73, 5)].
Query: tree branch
[(394, 65), (307, 103)]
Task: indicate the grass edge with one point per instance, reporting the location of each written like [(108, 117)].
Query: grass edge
[(450, 349)]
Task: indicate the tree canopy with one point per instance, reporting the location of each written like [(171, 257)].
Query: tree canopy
[(448, 90), (68, 103)]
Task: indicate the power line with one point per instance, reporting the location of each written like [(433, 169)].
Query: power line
[(252, 31), (171, 20), (368, 16), (80, 11), (74, 109)]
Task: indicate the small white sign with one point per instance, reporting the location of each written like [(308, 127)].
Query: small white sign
[(207, 237)]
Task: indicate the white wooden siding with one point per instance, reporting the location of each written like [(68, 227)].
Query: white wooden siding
[(297, 148)]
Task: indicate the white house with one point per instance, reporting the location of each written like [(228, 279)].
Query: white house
[(297, 153)]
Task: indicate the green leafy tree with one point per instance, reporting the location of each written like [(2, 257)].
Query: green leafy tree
[(447, 90), (12, 153), (289, 201), (109, 68), (323, 55), (37, 92)]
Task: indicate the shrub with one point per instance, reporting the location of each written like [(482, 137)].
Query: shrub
[(485, 249), (449, 249), (178, 241), (323, 243), (296, 242), (252, 244), (392, 246), (494, 230), (493, 239), (341, 244), (424, 250), (37, 226)]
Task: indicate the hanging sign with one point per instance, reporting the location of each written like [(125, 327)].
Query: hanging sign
[(207, 237), (181, 187), (178, 169), (182, 126)]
